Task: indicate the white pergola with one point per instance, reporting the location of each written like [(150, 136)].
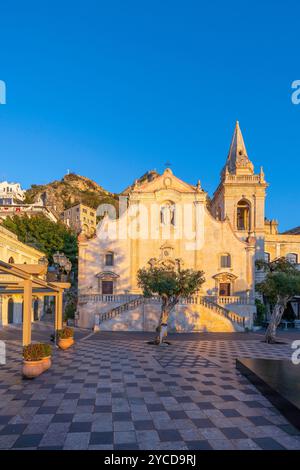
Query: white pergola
[(25, 279)]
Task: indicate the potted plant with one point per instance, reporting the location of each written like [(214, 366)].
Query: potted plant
[(65, 337), (34, 362), (47, 353)]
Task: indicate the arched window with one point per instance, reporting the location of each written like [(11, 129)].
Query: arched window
[(292, 258), (243, 215), (167, 213), (225, 261), (109, 259), (11, 260), (267, 257)]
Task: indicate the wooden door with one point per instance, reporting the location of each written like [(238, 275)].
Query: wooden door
[(224, 289)]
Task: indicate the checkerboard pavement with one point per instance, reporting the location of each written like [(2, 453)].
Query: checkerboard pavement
[(114, 391)]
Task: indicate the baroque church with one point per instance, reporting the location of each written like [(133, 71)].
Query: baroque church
[(166, 221)]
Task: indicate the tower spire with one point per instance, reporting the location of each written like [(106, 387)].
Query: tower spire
[(238, 160)]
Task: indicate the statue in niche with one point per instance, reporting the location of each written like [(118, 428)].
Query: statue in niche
[(167, 214)]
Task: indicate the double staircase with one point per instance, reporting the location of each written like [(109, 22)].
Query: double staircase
[(237, 321)]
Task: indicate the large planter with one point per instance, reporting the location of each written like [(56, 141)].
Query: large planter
[(46, 362), (32, 369), (65, 343)]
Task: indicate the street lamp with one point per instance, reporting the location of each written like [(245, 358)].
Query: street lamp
[(63, 263), (43, 261)]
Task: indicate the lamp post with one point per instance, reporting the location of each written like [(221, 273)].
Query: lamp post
[(62, 262), (43, 261), (64, 265)]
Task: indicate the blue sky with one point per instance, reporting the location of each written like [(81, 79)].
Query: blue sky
[(110, 89)]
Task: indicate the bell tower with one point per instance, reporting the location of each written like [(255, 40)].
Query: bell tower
[(240, 196)]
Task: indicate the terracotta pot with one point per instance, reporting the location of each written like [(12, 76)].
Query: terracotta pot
[(32, 369), (65, 343), (46, 362)]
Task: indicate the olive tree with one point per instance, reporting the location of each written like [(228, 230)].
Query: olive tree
[(170, 285), (280, 285)]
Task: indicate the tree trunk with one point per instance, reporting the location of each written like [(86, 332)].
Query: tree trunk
[(276, 317), (162, 329), (268, 309)]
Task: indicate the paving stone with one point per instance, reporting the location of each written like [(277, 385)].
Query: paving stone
[(267, 443), (80, 427), (7, 441), (124, 437), (221, 444), (199, 445), (101, 438), (28, 440), (147, 436), (62, 418), (169, 435), (145, 425), (77, 441)]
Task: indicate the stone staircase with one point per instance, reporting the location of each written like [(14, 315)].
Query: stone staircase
[(114, 312), (191, 314), (234, 317)]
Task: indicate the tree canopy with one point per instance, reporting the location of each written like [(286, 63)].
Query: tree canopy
[(282, 279), (280, 285), (45, 235), (170, 283)]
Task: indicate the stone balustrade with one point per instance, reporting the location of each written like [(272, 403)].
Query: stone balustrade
[(197, 299), (122, 298)]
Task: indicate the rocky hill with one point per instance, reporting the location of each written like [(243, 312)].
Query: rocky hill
[(70, 190)]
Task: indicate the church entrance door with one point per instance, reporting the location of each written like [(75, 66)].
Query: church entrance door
[(107, 287), (224, 289)]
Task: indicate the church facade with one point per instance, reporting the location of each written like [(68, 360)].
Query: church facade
[(166, 221)]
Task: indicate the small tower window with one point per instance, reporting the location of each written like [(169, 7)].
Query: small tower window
[(243, 215), (225, 261), (292, 258), (109, 259), (11, 260)]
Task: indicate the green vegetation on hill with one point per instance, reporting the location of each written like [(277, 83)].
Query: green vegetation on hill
[(70, 190)]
